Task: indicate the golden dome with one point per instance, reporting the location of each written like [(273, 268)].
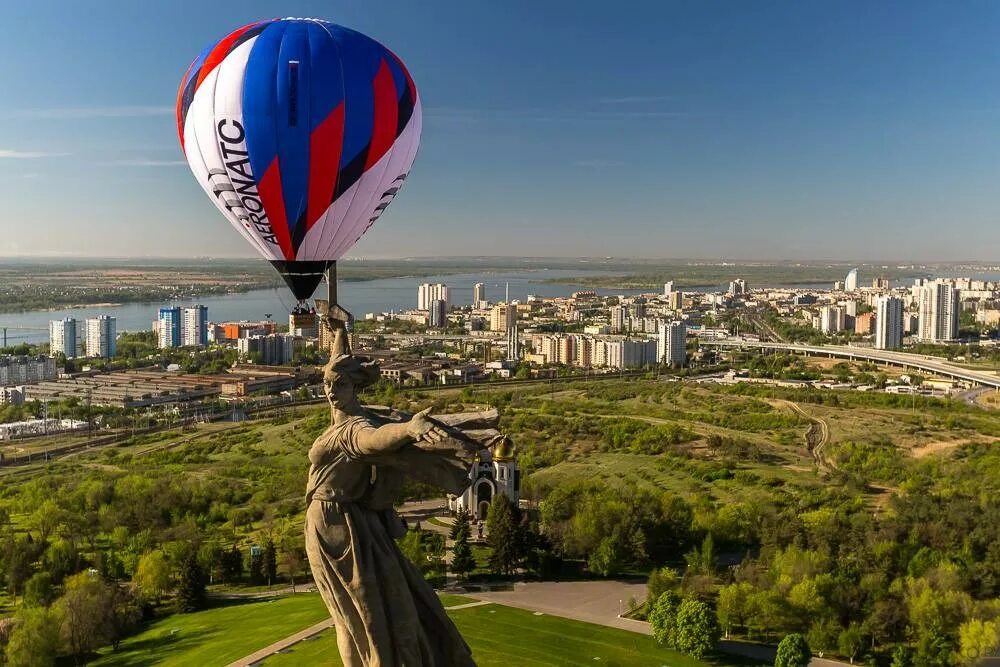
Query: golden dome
[(503, 449)]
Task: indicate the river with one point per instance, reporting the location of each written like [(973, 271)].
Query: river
[(359, 297)]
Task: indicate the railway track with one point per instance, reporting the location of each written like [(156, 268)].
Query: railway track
[(34, 461)]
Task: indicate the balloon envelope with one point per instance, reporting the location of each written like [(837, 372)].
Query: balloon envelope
[(301, 132)]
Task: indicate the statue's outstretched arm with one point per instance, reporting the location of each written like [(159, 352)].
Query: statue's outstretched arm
[(390, 437)]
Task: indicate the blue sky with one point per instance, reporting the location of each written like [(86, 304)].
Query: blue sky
[(737, 130)]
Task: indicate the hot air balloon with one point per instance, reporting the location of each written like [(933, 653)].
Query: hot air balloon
[(301, 132)]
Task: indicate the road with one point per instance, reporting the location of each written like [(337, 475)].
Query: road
[(817, 436), (927, 364)]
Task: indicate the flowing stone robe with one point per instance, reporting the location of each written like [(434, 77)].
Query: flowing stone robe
[(385, 613)]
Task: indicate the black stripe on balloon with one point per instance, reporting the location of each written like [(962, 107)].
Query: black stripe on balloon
[(188, 97), (249, 34), (351, 172), (404, 112), (299, 232)]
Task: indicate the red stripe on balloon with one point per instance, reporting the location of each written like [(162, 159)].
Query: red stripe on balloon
[(325, 144), (180, 101), (386, 114), (274, 207), (219, 53)]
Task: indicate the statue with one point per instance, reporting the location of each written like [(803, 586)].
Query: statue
[(385, 613)]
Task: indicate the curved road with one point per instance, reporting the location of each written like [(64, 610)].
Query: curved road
[(933, 365)]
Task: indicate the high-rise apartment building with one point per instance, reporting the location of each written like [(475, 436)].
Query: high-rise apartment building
[(428, 292), (502, 316), (671, 344), (584, 353), (738, 287), (668, 287), (272, 349), (438, 314), (194, 326), (638, 353), (676, 300), (888, 323), (619, 318), (101, 336), (513, 343), (168, 327), (851, 281), (63, 337), (303, 323), (938, 307), (26, 370), (831, 319), (864, 324), (478, 295)]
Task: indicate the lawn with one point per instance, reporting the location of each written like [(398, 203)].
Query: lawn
[(500, 636), (219, 635), (503, 636)]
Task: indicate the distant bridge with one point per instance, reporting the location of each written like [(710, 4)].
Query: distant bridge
[(932, 365)]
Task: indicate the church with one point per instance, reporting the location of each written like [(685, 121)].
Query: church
[(494, 471)]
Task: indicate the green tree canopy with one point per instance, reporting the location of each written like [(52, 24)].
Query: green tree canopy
[(697, 631), (793, 651)]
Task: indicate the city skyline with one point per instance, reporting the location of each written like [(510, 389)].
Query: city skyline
[(755, 133)]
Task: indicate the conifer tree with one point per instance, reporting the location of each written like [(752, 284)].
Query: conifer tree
[(502, 537), (462, 560)]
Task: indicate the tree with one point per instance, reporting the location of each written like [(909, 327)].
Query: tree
[(823, 635), (793, 651), (702, 560), (501, 528), (697, 631), (732, 607), (16, 555), (232, 564), (255, 568), (210, 555), (977, 639), (934, 648), (607, 558), (84, 614), (125, 612), (413, 548), (901, 657), (456, 524), (191, 592), (34, 640), (850, 642), (292, 557), (663, 618), (38, 590), (152, 575), (270, 564), (462, 560), (61, 559)]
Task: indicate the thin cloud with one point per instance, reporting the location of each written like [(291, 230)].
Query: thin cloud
[(125, 111), (27, 155), (470, 116), (147, 163)]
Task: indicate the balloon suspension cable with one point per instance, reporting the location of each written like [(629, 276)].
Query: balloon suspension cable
[(334, 316)]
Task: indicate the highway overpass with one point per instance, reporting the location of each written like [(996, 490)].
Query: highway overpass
[(927, 364)]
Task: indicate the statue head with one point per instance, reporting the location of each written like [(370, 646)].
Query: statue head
[(344, 375)]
